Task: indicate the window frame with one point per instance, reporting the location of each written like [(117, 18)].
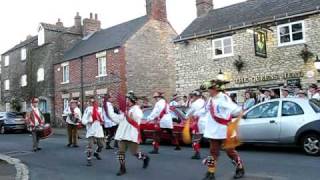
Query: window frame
[(223, 55), (65, 103), (263, 104), (8, 107), (7, 85), (24, 81), (23, 53), (292, 42), (6, 61), (41, 36), (67, 80), (42, 75), (282, 105), (103, 71)]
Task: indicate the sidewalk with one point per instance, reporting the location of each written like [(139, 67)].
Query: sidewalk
[(7, 171)]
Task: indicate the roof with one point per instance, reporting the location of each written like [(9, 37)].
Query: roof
[(105, 39), (22, 44), (53, 27), (246, 14)]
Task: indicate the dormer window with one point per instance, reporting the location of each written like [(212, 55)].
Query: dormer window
[(23, 54), (6, 60), (41, 39)]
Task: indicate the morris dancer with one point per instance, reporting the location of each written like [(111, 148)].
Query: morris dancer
[(161, 113), (128, 132), (73, 119), (93, 120), (221, 109), (35, 121), (110, 127), (199, 121)]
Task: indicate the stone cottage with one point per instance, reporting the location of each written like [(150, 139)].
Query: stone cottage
[(253, 44), (136, 55)]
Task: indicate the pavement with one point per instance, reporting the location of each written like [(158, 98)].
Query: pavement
[(7, 171), (57, 162)]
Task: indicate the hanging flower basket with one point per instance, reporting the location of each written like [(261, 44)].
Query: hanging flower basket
[(306, 54), (239, 64)]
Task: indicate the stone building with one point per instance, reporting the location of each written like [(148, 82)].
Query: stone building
[(135, 55), (254, 44), (27, 68)]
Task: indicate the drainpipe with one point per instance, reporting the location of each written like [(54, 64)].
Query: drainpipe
[(81, 84)]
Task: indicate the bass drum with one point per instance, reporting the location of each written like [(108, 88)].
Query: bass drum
[(45, 132)]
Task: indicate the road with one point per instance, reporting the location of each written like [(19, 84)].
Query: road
[(57, 162)]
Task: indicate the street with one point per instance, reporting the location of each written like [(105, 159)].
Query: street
[(57, 162)]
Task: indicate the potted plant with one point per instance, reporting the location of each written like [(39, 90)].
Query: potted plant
[(239, 64), (305, 54)]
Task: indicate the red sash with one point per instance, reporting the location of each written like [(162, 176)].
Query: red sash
[(135, 125), (36, 116), (162, 113), (194, 125), (218, 119), (95, 114)]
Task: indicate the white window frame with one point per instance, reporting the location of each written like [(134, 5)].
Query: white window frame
[(8, 107), (40, 77), (65, 70), (290, 32), (7, 85), (223, 55), (41, 37), (23, 54), (24, 81), (65, 103), (6, 60), (102, 71)]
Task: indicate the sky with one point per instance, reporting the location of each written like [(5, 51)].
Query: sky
[(20, 18)]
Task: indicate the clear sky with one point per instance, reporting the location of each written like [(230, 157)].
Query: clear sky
[(19, 18)]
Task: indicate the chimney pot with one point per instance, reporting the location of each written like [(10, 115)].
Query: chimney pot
[(203, 7), (96, 16), (91, 16), (156, 9)]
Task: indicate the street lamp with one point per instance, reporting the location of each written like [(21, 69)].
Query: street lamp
[(220, 76), (317, 63)]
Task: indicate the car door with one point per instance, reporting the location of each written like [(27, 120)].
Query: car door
[(292, 116), (261, 123)]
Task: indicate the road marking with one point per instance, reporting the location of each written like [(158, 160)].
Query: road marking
[(22, 169)]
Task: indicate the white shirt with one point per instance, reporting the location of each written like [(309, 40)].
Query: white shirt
[(316, 96), (166, 120), (125, 130), (224, 107), (108, 123), (68, 112), (196, 107), (174, 103), (36, 122), (94, 129)]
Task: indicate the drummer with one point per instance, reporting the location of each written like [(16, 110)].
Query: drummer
[(35, 121)]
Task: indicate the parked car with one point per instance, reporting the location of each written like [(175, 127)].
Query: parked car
[(11, 121), (289, 121), (148, 127)]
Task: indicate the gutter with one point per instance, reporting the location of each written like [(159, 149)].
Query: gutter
[(195, 36)]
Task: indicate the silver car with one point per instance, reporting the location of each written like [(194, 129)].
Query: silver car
[(11, 121), (284, 121)]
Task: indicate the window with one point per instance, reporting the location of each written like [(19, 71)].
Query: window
[(267, 110), (6, 60), (102, 66), (65, 104), (291, 109), (40, 36), (40, 75), (222, 47), (23, 54), (23, 80), (292, 33), (8, 107), (43, 106), (315, 104), (65, 73), (6, 85)]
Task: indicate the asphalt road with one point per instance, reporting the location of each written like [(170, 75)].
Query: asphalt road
[(57, 162)]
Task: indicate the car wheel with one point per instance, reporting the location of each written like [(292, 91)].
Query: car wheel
[(311, 144), (2, 130)]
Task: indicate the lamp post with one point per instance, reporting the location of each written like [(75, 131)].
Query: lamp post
[(220, 76), (317, 63)]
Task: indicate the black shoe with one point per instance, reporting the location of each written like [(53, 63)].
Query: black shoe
[(108, 146), (69, 145), (121, 172), (89, 163), (39, 149), (155, 151), (239, 173), (75, 146), (146, 162), (196, 156), (178, 148), (34, 150), (97, 156), (209, 176)]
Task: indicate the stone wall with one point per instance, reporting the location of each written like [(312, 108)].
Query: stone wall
[(150, 61), (195, 63)]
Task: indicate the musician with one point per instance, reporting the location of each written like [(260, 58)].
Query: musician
[(73, 119), (92, 119), (128, 132), (35, 121), (110, 127), (161, 113), (220, 110), (199, 121)]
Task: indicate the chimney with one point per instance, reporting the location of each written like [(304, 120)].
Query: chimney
[(203, 7), (59, 23), (156, 9), (29, 36), (91, 25), (77, 23)]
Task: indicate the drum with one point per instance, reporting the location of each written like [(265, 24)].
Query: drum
[(45, 131)]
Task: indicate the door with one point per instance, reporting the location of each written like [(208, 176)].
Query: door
[(261, 123)]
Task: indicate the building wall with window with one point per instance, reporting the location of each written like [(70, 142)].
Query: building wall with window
[(201, 59)]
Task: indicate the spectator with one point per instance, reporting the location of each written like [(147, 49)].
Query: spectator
[(249, 100), (302, 94), (266, 95), (285, 92), (234, 98), (174, 101), (273, 95), (313, 90)]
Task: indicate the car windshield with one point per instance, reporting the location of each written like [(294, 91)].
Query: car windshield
[(14, 115), (315, 104)]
